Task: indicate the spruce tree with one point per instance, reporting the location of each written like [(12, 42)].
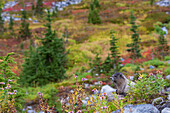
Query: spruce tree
[(24, 29), (134, 48), (33, 9), (163, 47), (107, 65), (46, 63), (114, 52), (39, 7), (96, 65), (93, 16), (96, 3), (11, 24), (2, 29)]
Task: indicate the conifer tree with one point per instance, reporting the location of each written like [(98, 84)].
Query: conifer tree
[(96, 65), (39, 7), (163, 47), (46, 63), (24, 29), (151, 2), (11, 24), (134, 47), (33, 9), (2, 29), (114, 52), (93, 16), (96, 3), (107, 65)]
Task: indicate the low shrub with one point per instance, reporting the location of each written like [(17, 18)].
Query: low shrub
[(167, 71), (167, 58), (129, 67), (146, 88), (10, 95), (154, 62)]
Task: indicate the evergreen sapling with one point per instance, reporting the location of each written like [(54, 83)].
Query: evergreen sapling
[(114, 52), (134, 47), (24, 29), (93, 16), (48, 62), (2, 29)]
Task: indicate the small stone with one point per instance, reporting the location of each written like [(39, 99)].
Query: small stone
[(168, 89), (31, 111), (158, 100), (85, 102), (151, 67), (86, 85), (166, 110), (168, 97), (168, 77), (131, 78), (71, 91), (29, 107), (87, 98)]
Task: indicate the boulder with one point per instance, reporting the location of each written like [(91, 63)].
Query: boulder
[(163, 105), (108, 90), (142, 108), (166, 110)]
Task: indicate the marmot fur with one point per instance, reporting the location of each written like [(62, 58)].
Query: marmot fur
[(121, 83)]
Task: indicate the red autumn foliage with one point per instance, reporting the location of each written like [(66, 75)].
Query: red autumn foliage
[(106, 11), (146, 55), (79, 11), (28, 6), (88, 76), (103, 83)]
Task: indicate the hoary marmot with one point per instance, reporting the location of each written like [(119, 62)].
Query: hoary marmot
[(121, 83)]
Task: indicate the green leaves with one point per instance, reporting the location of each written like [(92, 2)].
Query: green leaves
[(147, 87)]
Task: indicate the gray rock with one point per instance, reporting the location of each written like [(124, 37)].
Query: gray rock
[(162, 105), (165, 3), (29, 107), (85, 102), (168, 89), (86, 85), (71, 91), (151, 67), (31, 111), (166, 110), (87, 98), (131, 78), (157, 101), (168, 77), (108, 90), (142, 108)]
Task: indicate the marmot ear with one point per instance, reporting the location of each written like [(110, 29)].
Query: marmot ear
[(121, 76)]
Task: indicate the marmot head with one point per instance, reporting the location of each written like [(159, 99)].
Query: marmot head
[(118, 78)]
